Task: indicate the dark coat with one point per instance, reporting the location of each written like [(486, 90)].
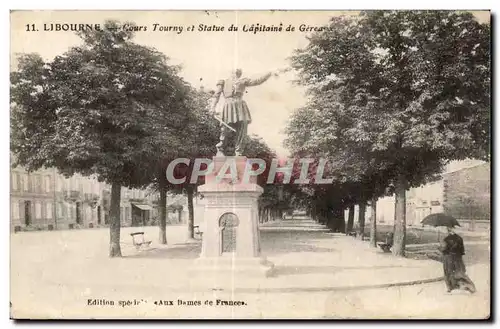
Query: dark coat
[(453, 265)]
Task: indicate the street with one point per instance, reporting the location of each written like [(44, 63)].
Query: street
[(318, 274)]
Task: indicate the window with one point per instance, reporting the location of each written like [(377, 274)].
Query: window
[(88, 213), (47, 184), (38, 184), (38, 210), (24, 178), (15, 181), (14, 210), (71, 211), (95, 187), (60, 184), (48, 209), (60, 210), (86, 186), (21, 208)]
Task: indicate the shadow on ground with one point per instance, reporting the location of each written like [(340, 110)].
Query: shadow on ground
[(284, 241), (176, 251), (272, 242), (310, 226), (301, 270)]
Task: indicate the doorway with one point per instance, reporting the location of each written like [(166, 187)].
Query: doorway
[(78, 213), (27, 213), (98, 215)]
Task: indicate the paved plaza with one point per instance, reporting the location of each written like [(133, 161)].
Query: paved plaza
[(318, 274)]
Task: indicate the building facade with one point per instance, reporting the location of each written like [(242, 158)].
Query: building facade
[(463, 193), (46, 200)]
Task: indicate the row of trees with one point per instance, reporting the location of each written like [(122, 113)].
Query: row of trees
[(393, 97), (116, 110)]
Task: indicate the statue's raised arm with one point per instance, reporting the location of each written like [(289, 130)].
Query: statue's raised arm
[(258, 81)]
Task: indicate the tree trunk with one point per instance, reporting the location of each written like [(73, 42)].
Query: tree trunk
[(179, 215), (114, 225), (339, 219), (398, 248), (314, 215), (373, 224), (335, 219), (324, 217), (190, 194), (350, 219), (162, 223), (330, 222), (361, 219)]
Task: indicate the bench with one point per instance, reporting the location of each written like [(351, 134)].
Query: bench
[(141, 242), (389, 241), (197, 231), (385, 247)]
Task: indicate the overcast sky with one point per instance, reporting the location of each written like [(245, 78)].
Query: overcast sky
[(207, 55)]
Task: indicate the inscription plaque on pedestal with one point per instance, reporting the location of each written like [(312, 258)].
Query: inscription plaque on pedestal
[(228, 223)]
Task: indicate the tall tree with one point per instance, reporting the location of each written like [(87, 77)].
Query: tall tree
[(199, 137), (373, 222), (97, 110), (409, 90)]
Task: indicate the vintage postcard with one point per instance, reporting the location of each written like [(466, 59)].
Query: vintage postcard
[(250, 164)]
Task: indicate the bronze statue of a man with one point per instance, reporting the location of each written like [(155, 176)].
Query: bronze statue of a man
[(235, 115)]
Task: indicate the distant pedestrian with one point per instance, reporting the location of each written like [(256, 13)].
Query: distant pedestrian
[(452, 248)]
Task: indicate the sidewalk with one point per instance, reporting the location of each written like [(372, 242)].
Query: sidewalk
[(306, 256), (311, 264)]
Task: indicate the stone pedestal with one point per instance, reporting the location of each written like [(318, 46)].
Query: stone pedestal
[(231, 240)]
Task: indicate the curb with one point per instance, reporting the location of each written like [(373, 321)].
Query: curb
[(327, 289), (257, 290)]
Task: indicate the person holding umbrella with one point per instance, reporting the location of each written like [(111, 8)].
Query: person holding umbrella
[(452, 248), (455, 275)]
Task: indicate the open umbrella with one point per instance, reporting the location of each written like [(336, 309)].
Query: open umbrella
[(440, 219)]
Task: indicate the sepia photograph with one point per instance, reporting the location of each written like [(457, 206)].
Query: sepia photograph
[(250, 164)]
